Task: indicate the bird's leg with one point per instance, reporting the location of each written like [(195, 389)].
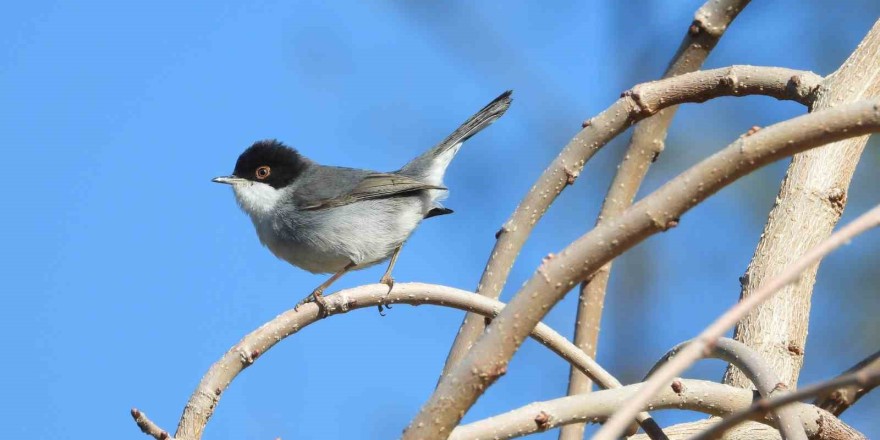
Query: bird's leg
[(387, 279), (317, 295)]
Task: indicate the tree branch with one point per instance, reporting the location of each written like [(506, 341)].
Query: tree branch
[(488, 359), (867, 376), (707, 338), (821, 426), (756, 369), (846, 396), (647, 142), (687, 394), (809, 205), (642, 101), (206, 396), (148, 427)]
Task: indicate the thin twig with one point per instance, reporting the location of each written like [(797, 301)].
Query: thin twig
[(647, 142), (702, 343), (148, 427), (840, 399), (206, 396), (867, 377), (661, 210), (756, 369), (639, 103)]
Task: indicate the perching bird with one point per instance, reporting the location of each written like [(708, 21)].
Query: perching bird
[(328, 219)]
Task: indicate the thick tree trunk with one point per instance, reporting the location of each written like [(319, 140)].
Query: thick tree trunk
[(808, 207)]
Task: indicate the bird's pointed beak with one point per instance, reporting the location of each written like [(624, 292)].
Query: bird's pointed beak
[(229, 180)]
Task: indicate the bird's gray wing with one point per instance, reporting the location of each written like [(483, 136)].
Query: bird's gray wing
[(373, 186)]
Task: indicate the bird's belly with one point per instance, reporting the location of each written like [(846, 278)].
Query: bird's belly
[(364, 233), (307, 257)]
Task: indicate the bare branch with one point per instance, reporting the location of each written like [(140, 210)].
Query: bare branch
[(710, 22), (867, 376), (206, 396), (846, 396), (696, 395), (821, 426), (148, 427), (707, 338), (642, 101), (809, 205), (661, 210), (687, 394), (757, 370)]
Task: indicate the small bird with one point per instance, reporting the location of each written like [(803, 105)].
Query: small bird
[(327, 219)]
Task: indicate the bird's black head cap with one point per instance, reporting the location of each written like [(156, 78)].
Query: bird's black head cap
[(270, 162)]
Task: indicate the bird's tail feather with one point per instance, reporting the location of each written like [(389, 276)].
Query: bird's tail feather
[(472, 126)]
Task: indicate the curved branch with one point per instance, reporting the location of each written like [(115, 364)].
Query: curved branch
[(647, 142), (634, 105), (756, 369), (694, 395), (868, 376), (846, 396), (458, 390), (206, 396), (707, 338)]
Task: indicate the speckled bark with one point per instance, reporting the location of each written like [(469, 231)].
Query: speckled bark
[(808, 207), (710, 23)]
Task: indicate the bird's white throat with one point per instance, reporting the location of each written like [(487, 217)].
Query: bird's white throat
[(256, 198)]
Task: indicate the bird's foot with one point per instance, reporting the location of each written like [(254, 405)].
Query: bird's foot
[(388, 281), (317, 297)]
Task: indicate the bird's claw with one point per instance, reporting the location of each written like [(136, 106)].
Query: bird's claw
[(388, 281), (316, 297)]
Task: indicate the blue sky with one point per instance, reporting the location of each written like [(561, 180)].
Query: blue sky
[(127, 272)]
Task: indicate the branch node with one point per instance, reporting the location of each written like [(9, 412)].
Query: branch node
[(703, 24), (504, 229), (493, 373), (677, 386), (248, 357), (587, 123), (542, 420), (837, 198), (641, 108), (752, 131), (799, 86), (570, 175), (729, 81)]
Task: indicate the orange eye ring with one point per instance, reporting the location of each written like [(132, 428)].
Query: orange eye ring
[(263, 172)]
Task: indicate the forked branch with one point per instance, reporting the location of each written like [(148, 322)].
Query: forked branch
[(707, 338), (661, 210), (636, 104), (647, 142), (839, 400), (694, 395), (866, 377), (766, 381)]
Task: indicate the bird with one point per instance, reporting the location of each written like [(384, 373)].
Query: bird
[(332, 220)]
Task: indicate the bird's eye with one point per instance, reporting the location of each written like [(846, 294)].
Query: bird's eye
[(263, 172)]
